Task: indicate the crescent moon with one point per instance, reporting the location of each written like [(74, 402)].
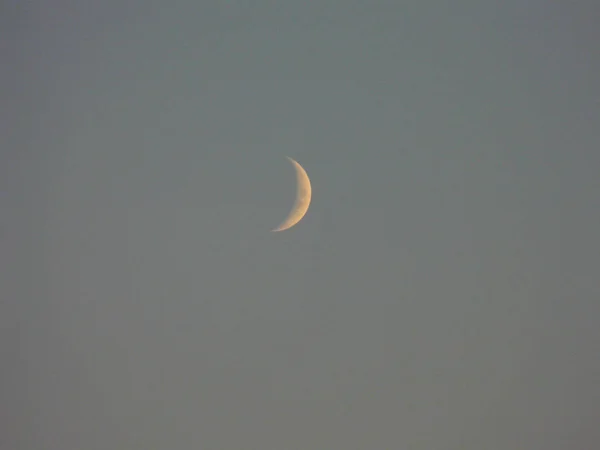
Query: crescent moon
[(303, 197)]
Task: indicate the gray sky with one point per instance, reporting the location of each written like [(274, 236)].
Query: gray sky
[(441, 293)]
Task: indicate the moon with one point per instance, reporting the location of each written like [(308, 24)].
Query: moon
[(303, 197)]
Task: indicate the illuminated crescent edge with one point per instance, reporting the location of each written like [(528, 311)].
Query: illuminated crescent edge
[(303, 198)]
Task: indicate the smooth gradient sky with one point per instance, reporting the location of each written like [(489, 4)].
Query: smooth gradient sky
[(441, 293)]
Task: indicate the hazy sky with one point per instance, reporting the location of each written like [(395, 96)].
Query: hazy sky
[(441, 293)]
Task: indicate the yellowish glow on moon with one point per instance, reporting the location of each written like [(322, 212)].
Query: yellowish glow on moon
[(303, 197)]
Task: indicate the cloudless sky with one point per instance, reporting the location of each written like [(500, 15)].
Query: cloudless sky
[(441, 293)]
